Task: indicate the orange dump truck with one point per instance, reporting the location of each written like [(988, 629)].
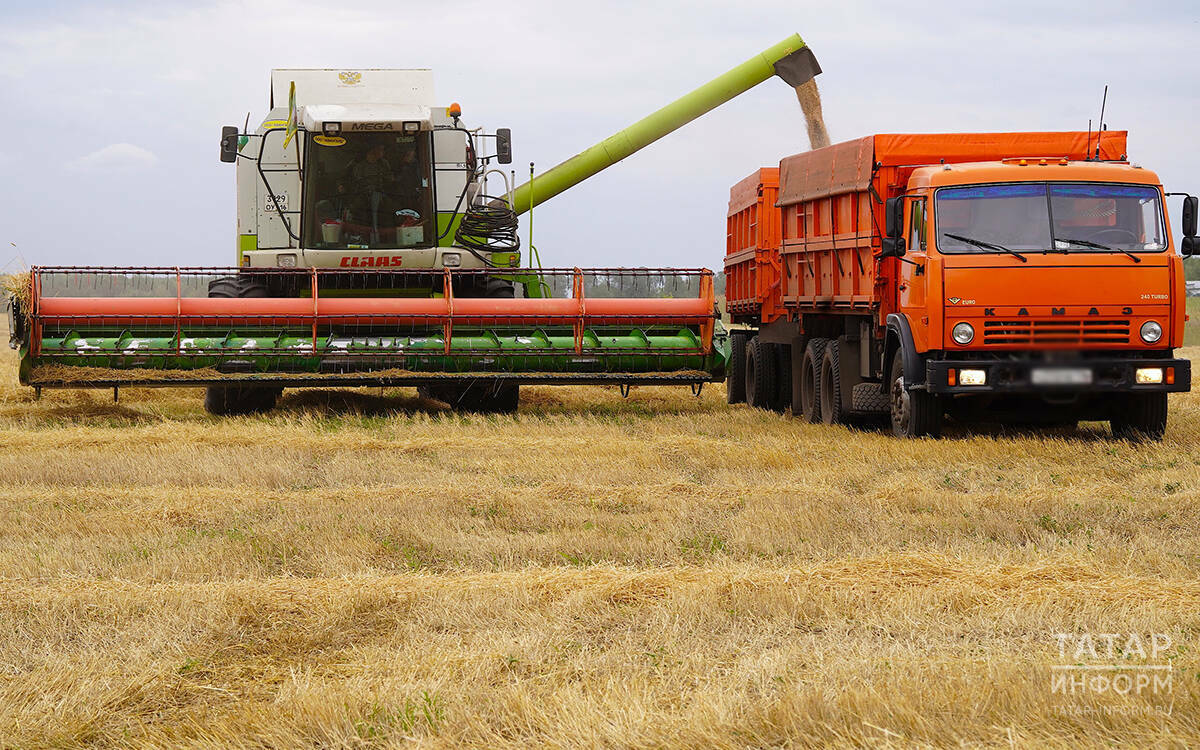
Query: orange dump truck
[(1021, 278)]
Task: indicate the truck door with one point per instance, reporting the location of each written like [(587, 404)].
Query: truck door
[(913, 278)]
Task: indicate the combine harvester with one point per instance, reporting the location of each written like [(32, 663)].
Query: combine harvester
[(1002, 277), (370, 253)]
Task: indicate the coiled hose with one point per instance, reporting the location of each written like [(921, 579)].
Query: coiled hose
[(488, 226)]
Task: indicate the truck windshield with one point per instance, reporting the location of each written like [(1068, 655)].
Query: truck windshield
[(368, 191), (1051, 217)]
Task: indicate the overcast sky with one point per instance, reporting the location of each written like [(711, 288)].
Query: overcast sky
[(112, 111)]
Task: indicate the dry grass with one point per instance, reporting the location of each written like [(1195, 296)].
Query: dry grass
[(362, 568)]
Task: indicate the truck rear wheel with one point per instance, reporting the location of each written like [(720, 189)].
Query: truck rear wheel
[(810, 380), (735, 369), (1140, 416), (227, 400), (830, 386), (914, 413), (783, 377), (760, 374)]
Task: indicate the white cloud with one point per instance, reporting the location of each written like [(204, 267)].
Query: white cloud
[(124, 156)]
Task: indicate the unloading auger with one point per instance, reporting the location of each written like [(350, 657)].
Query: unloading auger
[(369, 253)]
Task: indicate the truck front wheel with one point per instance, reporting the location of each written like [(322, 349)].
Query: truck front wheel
[(1140, 416), (914, 413)]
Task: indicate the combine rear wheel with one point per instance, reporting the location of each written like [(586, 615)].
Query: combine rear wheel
[(224, 400), (760, 374)]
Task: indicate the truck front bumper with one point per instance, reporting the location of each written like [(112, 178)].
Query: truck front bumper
[(1115, 375)]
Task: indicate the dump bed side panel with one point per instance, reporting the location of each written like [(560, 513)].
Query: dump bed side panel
[(831, 202), (752, 243)]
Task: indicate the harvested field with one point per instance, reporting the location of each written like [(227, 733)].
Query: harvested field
[(363, 568)]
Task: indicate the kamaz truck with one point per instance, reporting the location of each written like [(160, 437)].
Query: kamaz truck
[(1019, 278)]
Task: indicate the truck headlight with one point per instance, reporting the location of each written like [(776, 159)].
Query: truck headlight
[(451, 260), (963, 333), (972, 377), (286, 260), (1151, 331), (1148, 375)]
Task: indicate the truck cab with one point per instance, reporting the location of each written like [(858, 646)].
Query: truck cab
[(1042, 287)]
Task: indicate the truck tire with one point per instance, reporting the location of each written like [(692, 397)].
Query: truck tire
[(1140, 416), (735, 369), (914, 413), (810, 380), (480, 396), (830, 388), (228, 400), (783, 377), (869, 398), (760, 374)]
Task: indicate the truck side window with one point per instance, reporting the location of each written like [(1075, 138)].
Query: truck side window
[(916, 232)]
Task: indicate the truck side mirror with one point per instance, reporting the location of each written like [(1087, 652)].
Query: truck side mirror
[(229, 143), (893, 211), (1190, 204), (504, 145), (892, 245)]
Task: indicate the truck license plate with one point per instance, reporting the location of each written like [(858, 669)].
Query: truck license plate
[(1061, 376)]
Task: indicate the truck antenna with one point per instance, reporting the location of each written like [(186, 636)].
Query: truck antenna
[(1087, 150), (1100, 123)]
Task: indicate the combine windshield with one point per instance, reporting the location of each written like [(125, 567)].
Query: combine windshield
[(1050, 217), (368, 191)]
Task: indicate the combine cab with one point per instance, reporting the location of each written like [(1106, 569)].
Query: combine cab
[(371, 253)]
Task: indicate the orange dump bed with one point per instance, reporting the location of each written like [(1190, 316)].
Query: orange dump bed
[(752, 239), (815, 247)]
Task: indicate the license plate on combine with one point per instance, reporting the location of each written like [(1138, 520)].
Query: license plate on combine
[(1061, 376)]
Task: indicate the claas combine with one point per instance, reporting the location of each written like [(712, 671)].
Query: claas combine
[(371, 252)]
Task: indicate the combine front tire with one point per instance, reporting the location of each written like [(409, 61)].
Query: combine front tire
[(914, 413), (227, 400), (1140, 416), (480, 397), (231, 400)]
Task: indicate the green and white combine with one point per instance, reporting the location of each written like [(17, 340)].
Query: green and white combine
[(370, 250)]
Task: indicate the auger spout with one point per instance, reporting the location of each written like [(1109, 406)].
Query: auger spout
[(790, 59)]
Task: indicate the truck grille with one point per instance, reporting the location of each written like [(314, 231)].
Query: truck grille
[(1061, 331)]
